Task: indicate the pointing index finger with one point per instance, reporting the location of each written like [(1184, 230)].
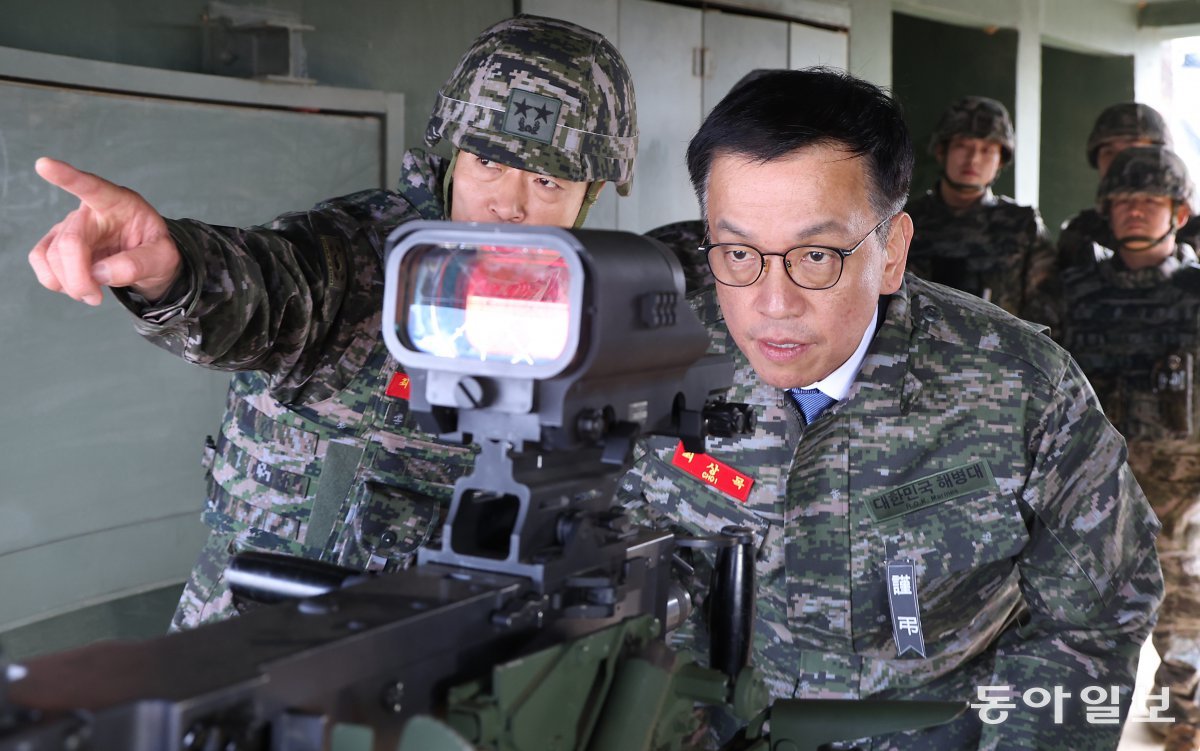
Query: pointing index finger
[(95, 191)]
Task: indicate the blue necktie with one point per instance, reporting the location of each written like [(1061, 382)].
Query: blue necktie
[(811, 402)]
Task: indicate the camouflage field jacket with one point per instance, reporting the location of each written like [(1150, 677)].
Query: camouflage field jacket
[(316, 455), (972, 446)]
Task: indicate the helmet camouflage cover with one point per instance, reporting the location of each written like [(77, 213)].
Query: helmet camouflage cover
[(976, 117), (1127, 120), (542, 95), (1145, 169)]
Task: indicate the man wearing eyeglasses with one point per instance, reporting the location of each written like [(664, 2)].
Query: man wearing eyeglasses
[(941, 508)]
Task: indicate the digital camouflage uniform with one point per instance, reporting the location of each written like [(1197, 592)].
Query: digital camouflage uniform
[(1136, 334), (317, 455), (996, 248), (314, 457), (1042, 574), (684, 239)]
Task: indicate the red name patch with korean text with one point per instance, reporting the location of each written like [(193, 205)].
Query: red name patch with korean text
[(398, 387), (714, 473)]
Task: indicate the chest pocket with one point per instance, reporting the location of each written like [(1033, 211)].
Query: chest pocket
[(387, 525), (960, 547), (399, 500)]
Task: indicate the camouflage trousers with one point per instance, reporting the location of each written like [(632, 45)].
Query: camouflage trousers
[(1171, 482)]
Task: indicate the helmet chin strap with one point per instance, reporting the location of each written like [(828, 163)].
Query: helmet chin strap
[(1146, 243), (964, 187), (589, 200), (448, 184)]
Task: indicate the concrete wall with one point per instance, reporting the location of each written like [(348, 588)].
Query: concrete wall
[(408, 46)]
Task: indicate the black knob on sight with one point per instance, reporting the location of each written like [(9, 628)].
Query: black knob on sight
[(727, 419)]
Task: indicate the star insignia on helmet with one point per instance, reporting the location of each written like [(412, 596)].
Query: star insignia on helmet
[(531, 115)]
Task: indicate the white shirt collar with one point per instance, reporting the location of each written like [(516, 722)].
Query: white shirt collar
[(837, 384)]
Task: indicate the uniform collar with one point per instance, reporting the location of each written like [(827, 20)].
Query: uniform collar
[(988, 199), (884, 383), (837, 384), (421, 176), (1117, 273)]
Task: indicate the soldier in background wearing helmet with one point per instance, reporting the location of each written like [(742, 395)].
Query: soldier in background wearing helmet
[(967, 237), (316, 455), (1132, 320), (1085, 235)]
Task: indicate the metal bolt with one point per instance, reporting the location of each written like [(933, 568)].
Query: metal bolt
[(470, 393)]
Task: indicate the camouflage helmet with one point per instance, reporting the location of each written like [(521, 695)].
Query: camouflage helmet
[(542, 95), (976, 117), (1145, 169), (1127, 120)]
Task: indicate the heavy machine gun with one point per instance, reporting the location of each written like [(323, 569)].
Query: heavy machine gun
[(537, 620)]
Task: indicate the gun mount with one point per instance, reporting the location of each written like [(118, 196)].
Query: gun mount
[(537, 621)]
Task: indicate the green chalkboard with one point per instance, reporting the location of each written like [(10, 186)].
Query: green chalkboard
[(100, 479)]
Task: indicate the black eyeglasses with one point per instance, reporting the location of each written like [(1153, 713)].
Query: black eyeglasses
[(808, 266)]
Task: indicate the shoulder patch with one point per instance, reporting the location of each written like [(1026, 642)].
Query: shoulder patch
[(714, 473), (335, 261)]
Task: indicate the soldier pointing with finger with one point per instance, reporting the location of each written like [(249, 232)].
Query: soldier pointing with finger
[(316, 455)]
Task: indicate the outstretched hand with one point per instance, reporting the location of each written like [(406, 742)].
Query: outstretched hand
[(114, 238)]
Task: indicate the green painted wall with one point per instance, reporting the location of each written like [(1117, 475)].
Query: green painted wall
[(408, 46), (933, 64), (1075, 88)]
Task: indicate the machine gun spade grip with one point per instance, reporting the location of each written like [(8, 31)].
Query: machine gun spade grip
[(731, 604)]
